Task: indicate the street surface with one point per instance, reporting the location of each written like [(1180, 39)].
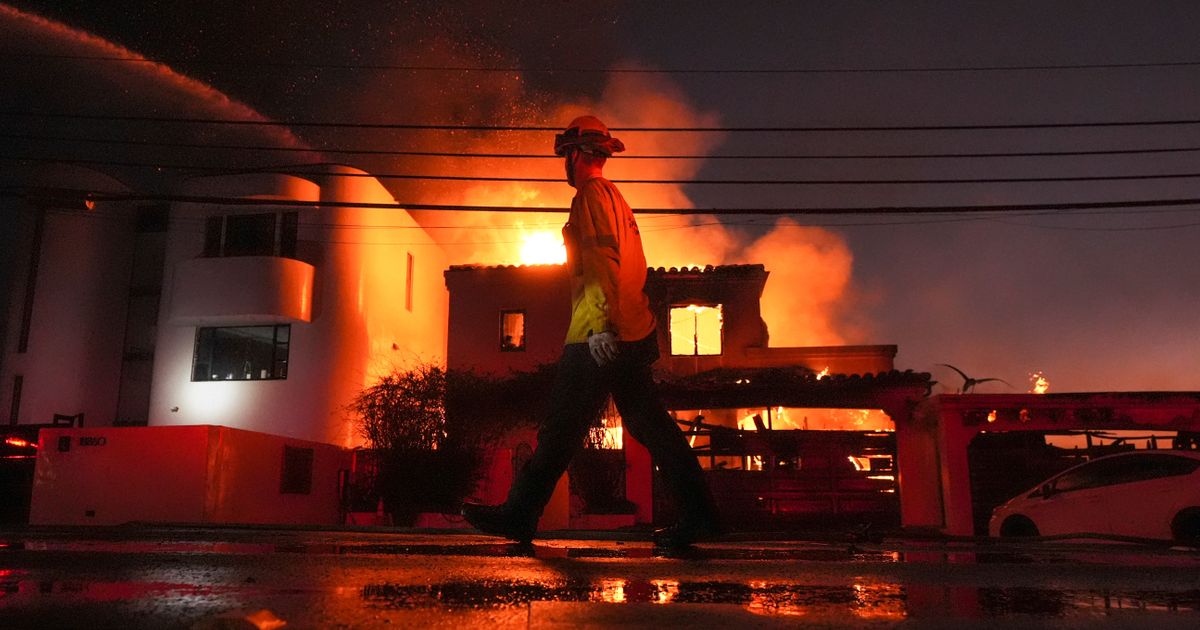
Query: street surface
[(142, 577)]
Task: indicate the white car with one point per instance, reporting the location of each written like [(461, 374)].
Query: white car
[(1145, 494)]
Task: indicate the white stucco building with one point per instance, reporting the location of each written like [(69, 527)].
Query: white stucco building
[(264, 302)]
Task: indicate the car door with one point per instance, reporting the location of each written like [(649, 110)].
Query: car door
[(1145, 494), (1074, 504)]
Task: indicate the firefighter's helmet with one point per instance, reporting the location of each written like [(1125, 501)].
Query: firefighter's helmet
[(589, 135)]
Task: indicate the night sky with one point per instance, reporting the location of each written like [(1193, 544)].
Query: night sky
[(1098, 300)]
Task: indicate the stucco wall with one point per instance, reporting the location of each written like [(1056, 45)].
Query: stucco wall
[(72, 362), (360, 322)]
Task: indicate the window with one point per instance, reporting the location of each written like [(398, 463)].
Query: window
[(1129, 469), (296, 477), (264, 234), (696, 330), (512, 331), (244, 353), (15, 412), (408, 283)]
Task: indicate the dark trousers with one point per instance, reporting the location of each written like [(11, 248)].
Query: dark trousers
[(581, 389)]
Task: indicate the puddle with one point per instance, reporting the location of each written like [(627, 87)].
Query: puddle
[(865, 601)]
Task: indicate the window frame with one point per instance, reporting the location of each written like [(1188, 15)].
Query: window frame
[(278, 357), (1122, 470), (695, 321), (296, 470), (284, 237), (504, 312)]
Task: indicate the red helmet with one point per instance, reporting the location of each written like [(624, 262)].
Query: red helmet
[(589, 135)]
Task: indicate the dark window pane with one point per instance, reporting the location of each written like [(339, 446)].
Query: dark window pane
[(241, 353), (250, 235), (15, 412), (289, 225), (297, 470), (212, 236)]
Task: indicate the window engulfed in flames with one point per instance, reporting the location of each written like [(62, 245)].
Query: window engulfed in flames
[(696, 330)]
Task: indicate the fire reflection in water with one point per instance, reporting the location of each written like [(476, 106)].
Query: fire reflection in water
[(863, 600), (664, 591), (611, 591)]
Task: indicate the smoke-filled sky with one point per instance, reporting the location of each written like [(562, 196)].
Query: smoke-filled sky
[(1097, 300)]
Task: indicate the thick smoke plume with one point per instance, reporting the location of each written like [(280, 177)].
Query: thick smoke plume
[(806, 293)]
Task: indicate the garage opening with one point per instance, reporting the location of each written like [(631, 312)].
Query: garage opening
[(1006, 464)]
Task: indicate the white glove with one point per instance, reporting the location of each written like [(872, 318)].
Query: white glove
[(603, 347)]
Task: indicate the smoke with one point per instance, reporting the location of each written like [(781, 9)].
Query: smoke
[(810, 268), (807, 290)]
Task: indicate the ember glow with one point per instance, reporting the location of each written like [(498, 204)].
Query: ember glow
[(1038, 383), (543, 248)]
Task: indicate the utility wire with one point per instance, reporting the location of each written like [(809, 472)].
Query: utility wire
[(463, 154), (592, 70), (536, 128), (82, 195), (298, 170), (194, 225)]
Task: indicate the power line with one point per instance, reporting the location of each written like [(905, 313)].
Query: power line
[(294, 171), (942, 219), (81, 195), (464, 154), (592, 70), (536, 128)]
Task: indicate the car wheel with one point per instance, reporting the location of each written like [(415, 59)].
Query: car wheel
[(1185, 528), (1018, 527)]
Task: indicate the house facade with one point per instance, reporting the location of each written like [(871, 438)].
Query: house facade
[(715, 358), (263, 302)]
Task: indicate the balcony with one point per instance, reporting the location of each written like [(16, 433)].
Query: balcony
[(241, 290)]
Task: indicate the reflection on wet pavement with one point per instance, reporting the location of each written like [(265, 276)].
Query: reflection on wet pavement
[(867, 601), (363, 581)]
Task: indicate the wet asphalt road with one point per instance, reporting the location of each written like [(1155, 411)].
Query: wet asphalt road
[(259, 578)]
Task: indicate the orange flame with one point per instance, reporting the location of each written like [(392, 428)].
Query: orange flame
[(543, 247), (1038, 383)]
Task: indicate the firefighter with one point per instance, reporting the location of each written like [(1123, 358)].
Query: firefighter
[(610, 346)]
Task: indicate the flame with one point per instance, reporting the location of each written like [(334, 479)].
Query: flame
[(991, 416), (807, 297), (823, 373), (543, 247), (1039, 383)]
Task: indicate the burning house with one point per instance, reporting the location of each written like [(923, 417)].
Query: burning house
[(781, 439)]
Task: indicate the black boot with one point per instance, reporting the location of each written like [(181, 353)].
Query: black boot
[(686, 532), (497, 521)]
